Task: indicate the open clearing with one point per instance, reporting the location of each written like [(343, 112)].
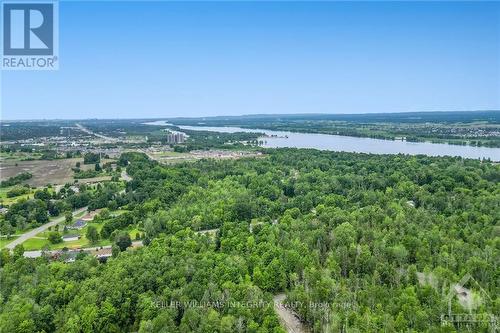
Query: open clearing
[(4, 200), (45, 172), (175, 157)]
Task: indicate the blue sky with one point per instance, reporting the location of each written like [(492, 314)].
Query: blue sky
[(164, 59)]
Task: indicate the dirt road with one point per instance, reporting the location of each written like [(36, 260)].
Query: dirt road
[(288, 318)]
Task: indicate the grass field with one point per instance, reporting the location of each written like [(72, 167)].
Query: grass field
[(4, 200), (4, 241), (35, 244), (171, 157), (8, 201), (18, 156)]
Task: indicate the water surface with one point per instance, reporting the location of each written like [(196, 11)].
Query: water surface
[(281, 139)]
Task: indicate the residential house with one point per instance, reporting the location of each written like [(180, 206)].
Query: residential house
[(70, 238), (79, 224)]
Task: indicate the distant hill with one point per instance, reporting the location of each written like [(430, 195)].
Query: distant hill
[(490, 116)]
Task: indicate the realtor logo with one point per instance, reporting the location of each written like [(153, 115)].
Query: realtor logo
[(29, 35)]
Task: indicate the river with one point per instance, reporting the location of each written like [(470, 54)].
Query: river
[(281, 139)]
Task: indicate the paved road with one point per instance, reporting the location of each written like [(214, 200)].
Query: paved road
[(137, 243), (38, 230), (38, 253), (86, 130)]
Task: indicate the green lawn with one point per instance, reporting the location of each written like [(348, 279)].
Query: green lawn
[(4, 241), (133, 232), (41, 239), (39, 243), (35, 244)]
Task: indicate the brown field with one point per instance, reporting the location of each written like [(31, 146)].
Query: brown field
[(57, 172)]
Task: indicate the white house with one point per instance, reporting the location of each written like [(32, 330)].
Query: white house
[(70, 238)]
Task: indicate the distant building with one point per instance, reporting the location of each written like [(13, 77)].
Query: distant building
[(90, 215), (75, 189), (79, 224), (70, 238), (176, 137), (32, 254), (67, 256), (103, 253)]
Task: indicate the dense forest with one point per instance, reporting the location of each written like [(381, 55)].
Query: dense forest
[(359, 243)]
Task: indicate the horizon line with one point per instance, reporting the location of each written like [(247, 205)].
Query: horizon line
[(253, 114)]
